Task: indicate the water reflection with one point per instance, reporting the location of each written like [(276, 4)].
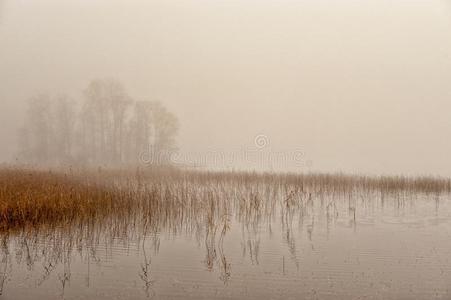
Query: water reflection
[(219, 217), (145, 274)]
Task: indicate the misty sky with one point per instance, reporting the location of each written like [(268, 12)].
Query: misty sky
[(358, 86)]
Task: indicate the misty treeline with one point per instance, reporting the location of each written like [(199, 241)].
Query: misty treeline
[(107, 127)]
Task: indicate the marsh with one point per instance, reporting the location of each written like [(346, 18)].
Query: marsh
[(171, 234), (198, 149)]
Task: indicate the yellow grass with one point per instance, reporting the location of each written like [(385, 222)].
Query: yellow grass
[(34, 197), (176, 198)]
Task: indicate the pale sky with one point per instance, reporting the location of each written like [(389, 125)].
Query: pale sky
[(358, 86)]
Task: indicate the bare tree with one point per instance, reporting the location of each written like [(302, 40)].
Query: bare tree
[(119, 104), (102, 132), (64, 127), (140, 131), (166, 127), (153, 129), (35, 136), (94, 121), (104, 113)]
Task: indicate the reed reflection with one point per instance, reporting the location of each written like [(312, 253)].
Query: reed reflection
[(144, 207)]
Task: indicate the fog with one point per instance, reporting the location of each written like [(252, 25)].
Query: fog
[(353, 86)]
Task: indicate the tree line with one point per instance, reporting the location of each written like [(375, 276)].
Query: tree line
[(107, 127)]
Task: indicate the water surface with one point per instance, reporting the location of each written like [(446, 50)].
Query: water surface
[(257, 242)]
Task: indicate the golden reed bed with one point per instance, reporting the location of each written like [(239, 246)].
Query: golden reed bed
[(33, 197), (30, 197)]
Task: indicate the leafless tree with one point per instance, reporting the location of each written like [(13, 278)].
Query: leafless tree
[(165, 125), (104, 113), (102, 131), (35, 135), (64, 127)]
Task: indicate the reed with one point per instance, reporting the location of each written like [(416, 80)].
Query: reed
[(47, 215), (180, 199), (35, 197)]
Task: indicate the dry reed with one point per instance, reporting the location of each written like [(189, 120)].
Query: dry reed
[(177, 198)]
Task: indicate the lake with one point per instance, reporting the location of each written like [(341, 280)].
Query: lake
[(229, 240)]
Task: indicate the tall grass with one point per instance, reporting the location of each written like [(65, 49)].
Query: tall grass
[(165, 196), (46, 215), (36, 197)]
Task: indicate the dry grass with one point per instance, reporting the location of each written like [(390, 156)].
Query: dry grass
[(35, 197), (46, 216), (177, 199)]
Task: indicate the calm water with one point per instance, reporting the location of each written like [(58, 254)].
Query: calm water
[(359, 246)]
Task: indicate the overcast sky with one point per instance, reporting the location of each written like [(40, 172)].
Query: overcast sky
[(358, 86)]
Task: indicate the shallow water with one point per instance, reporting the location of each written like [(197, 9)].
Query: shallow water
[(359, 246)]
